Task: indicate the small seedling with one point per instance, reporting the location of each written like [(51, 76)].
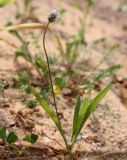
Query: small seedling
[(8, 138), (31, 138), (12, 138)]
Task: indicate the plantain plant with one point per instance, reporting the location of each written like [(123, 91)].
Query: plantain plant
[(82, 110)]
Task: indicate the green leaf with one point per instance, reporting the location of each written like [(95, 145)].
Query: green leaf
[(5, 2), (31, 138), (46, 107), (12, 138), (94, 103), (3, 133), (88, 110), (76, 115), (80, 116), (83, 109), (50, 112)]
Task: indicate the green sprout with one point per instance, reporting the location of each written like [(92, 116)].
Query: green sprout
[(31, 138), (10, 138)]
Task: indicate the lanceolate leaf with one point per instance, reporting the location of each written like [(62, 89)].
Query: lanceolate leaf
[(76, 115), (80, 117), (50, 112), (96, 100), (46, 107), (93, 104), (83, 109), (91, 108)]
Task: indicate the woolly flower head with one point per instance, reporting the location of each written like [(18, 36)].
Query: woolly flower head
[(52, 16)]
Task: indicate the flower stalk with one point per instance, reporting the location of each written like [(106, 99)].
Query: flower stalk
[(51, 18)]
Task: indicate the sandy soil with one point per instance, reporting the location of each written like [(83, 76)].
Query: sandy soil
[(105, 134)]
